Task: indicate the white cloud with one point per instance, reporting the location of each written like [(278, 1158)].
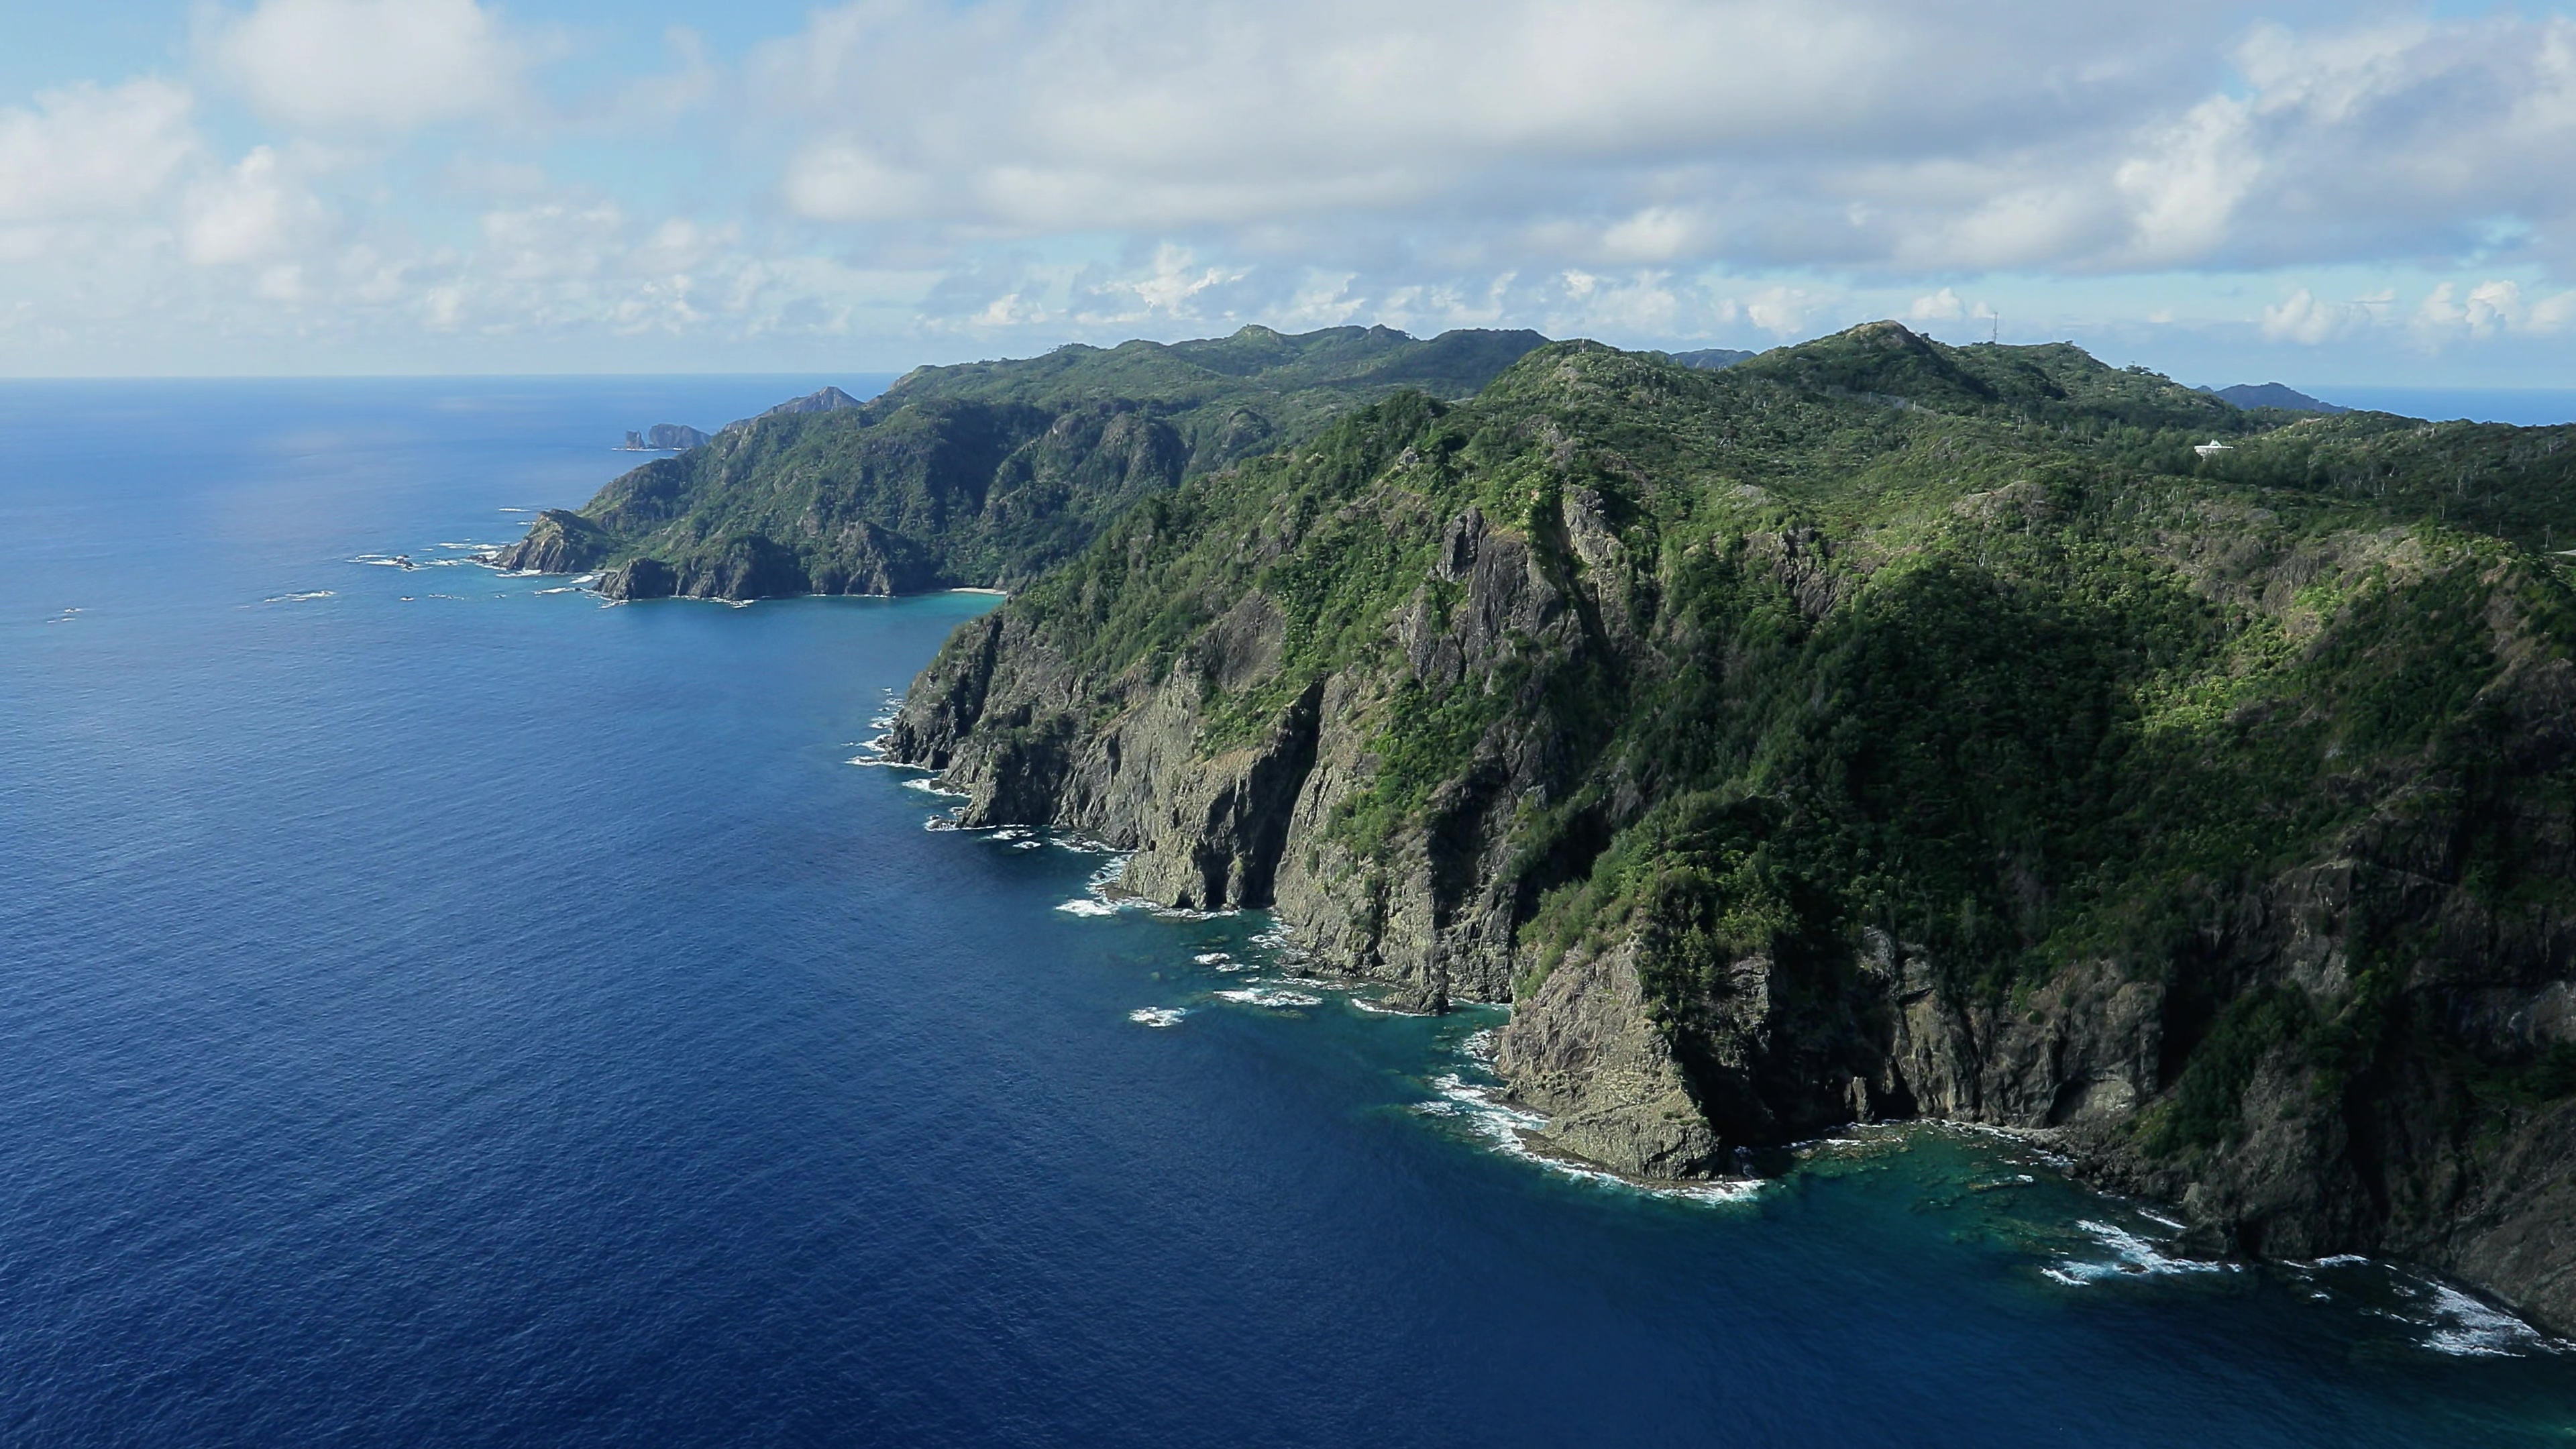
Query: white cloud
[(1656, 171), (87, 150), (843, 181), (2490, 309), (1781, 311), (369, 65), (1658, 233), (1173, 287), (1128, 113), (249, 213), (1863, 135), (2182, 195), (2301, 318)]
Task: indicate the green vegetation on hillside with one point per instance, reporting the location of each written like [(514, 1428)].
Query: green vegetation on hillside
[(983, 474), (1965, 647)]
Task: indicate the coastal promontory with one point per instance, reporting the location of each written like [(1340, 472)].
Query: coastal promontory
[(1877, 729), (982, 474)]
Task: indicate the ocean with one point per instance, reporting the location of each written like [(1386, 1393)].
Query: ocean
[(436, 1009), (2524, 407)]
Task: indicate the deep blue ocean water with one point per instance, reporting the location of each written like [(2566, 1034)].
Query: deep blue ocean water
[(436, 1009), (2525, 407)]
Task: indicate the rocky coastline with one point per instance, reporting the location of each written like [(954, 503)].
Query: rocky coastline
[(1657, 1040)]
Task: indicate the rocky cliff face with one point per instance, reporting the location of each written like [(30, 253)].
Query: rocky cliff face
[(1792, 752), (678, 437), (559, 542), (981, 475)]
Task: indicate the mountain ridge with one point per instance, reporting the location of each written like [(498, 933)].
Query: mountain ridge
[(978, 474), (1879, 729), (2250, 395)]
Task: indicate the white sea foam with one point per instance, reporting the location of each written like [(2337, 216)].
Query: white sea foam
[(1087, 906), (308, 594), (2130, 1255), (1158, 1015), (930, 785), (1379, 1008), (2467, 1328), (1382, 1009), (566, 589), (1275, 938), (1508, 1128), (1460, 1097), (1213, 958), (2463, 1327), (1275, 1000), (1029, 845)]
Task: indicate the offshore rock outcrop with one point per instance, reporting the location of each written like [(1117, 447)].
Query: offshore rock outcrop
[(2224, 833), (678, 437)]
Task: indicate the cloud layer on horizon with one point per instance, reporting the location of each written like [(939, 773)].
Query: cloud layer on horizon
[(349, 183)]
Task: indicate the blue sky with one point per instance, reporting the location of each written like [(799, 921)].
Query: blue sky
[(2318, 193)]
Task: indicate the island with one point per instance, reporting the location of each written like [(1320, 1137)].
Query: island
[(1870, 729), (981, 475), (664, 438)]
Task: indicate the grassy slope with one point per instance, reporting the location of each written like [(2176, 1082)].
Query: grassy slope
[(2049, 686), (988, 473)]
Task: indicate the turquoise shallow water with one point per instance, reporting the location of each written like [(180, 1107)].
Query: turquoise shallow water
[(439, 1010)]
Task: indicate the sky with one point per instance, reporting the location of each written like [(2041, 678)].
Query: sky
[(2318, 193)]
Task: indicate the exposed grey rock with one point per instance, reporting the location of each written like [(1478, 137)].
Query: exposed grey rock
[(1772, 1050), (677, 437), (1583, 1050), (559, 542), (821, 401)]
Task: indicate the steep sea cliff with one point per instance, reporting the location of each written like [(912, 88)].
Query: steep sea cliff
[(439, 1010), (982, 474), (1878, 730)]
